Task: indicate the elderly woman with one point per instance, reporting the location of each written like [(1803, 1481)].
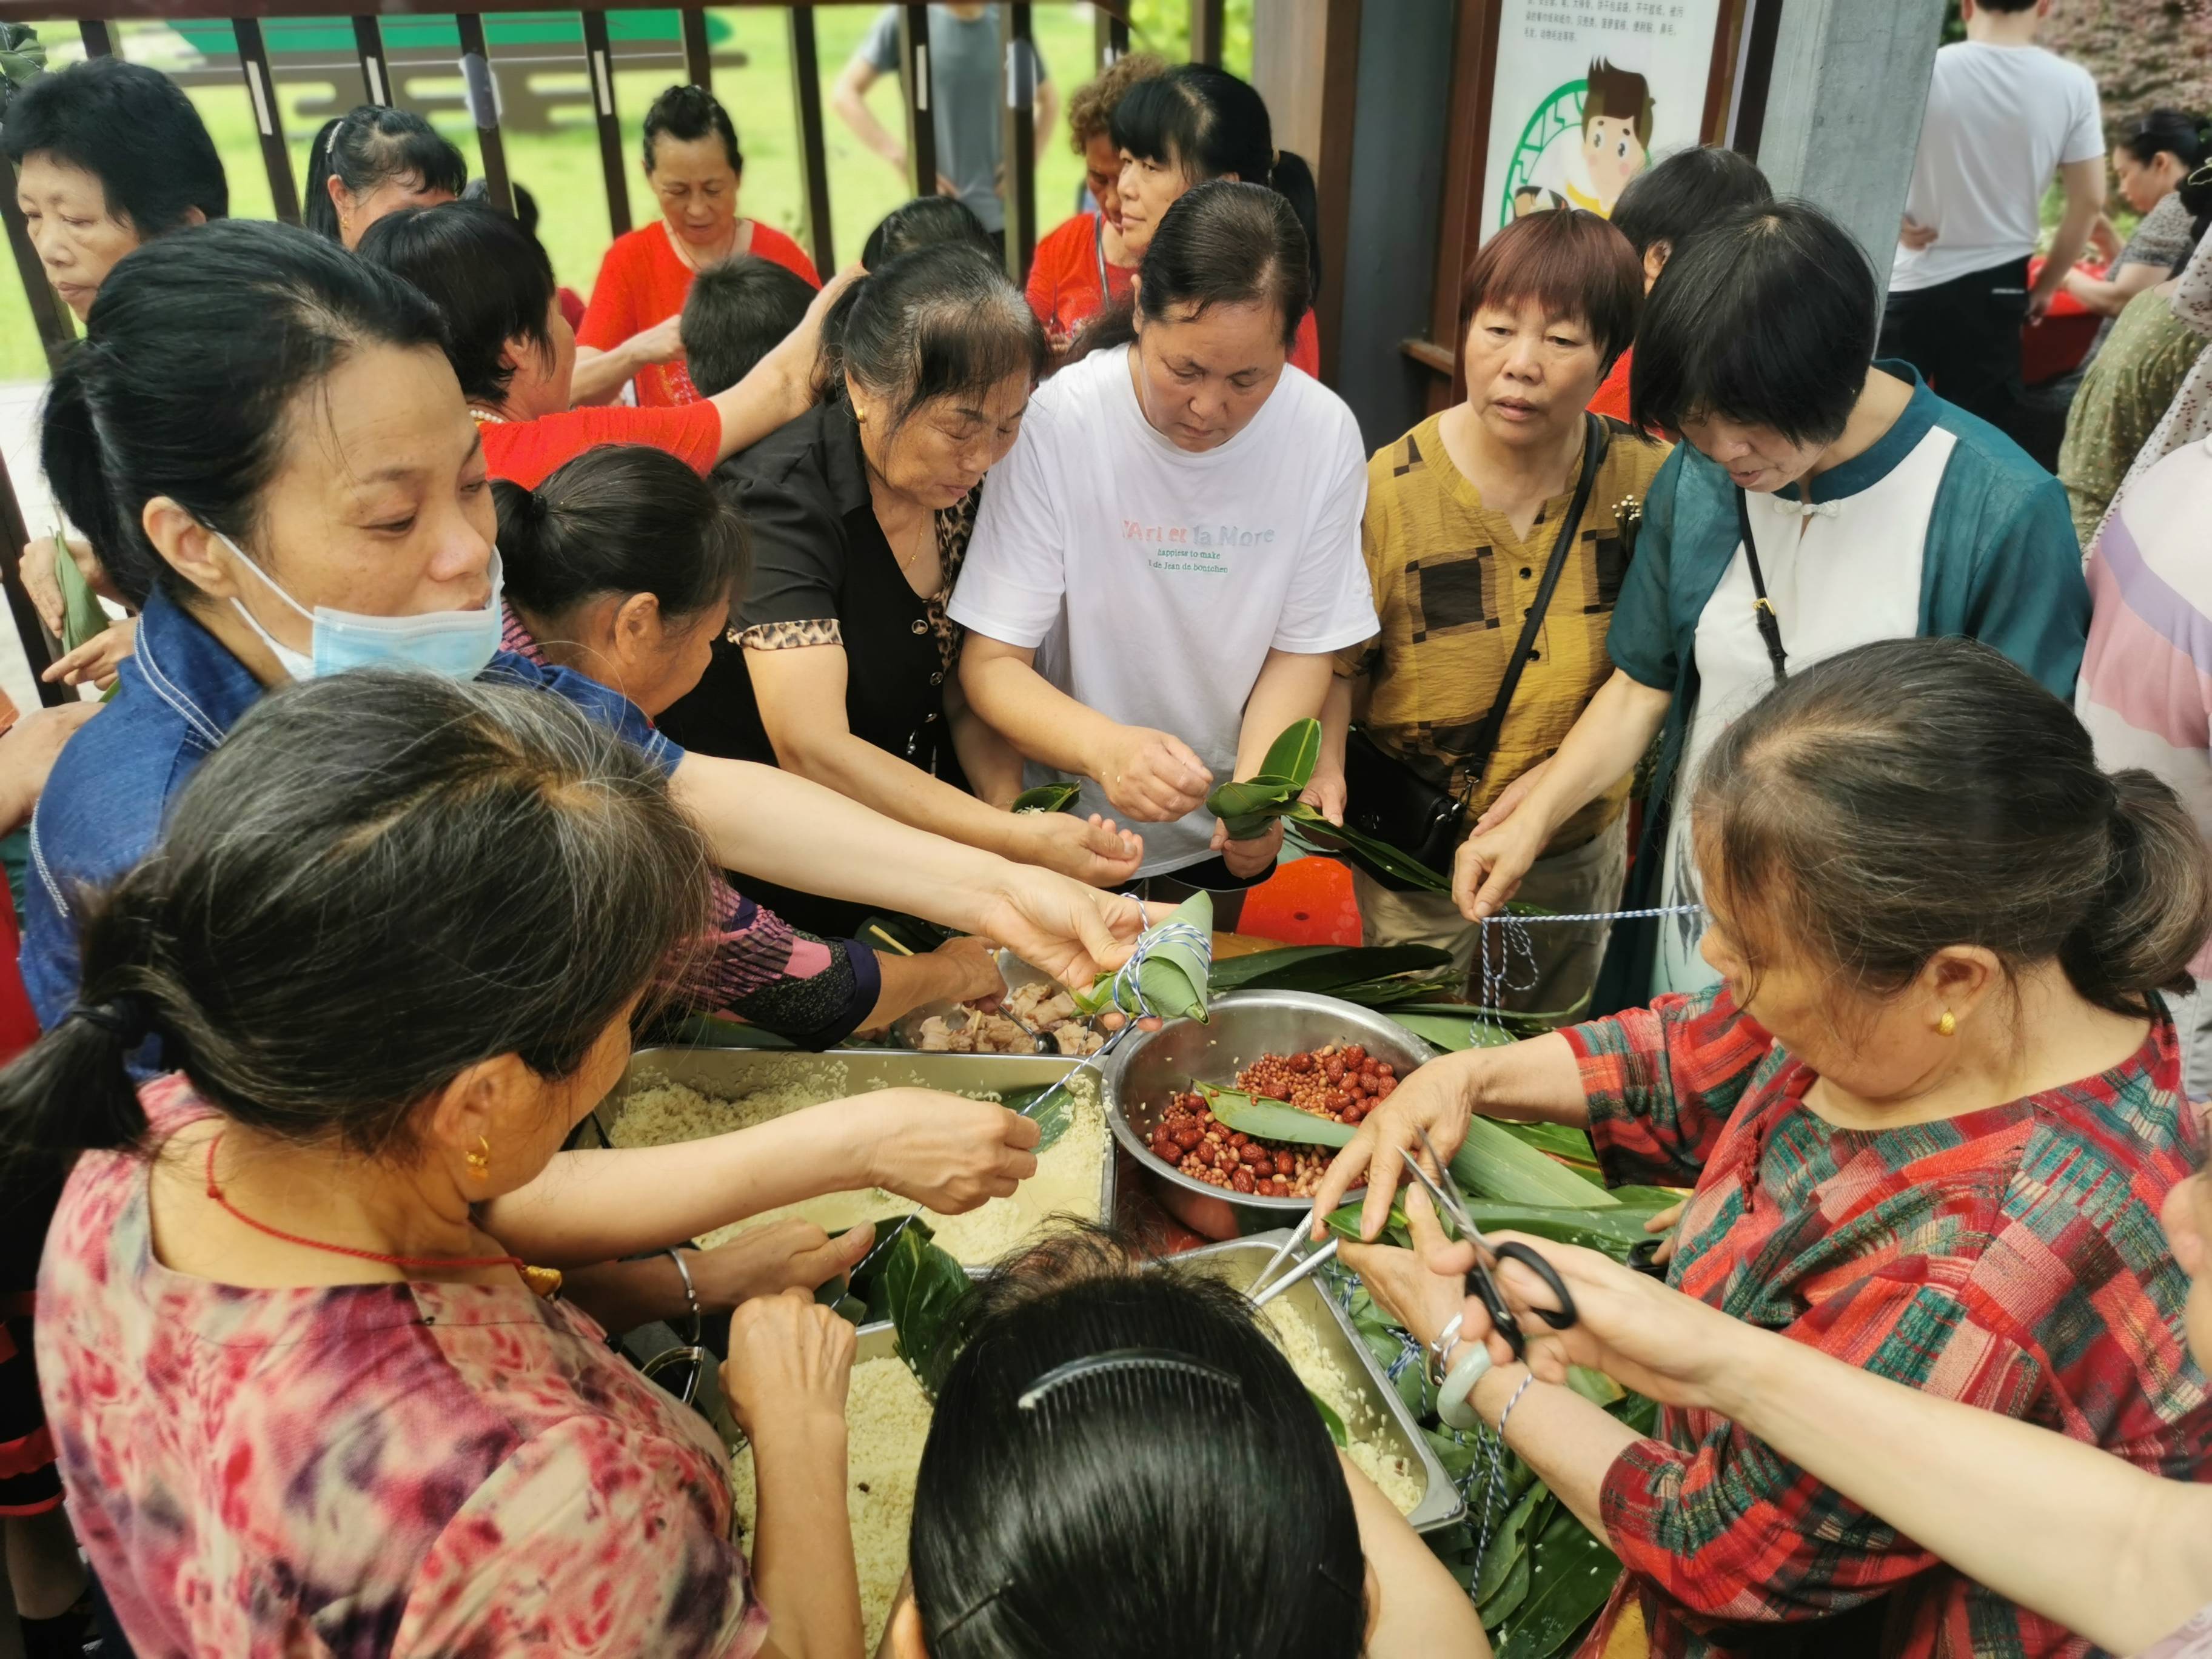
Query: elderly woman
[(375, 159), (314, 1257), (2149, 165), (1818, 501), (1931, 1113), (1469, 545), (693, 166), (844, 666), (1168, 562)]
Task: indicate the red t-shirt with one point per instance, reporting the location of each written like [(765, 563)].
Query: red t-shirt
[(527, 451), (1611, 396), (1064, 276), (643, 282), (1064, 288)]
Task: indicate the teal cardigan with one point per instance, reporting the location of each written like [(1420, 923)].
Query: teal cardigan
[(2002, 565)]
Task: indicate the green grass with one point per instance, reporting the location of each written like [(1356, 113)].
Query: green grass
[(561, 167)]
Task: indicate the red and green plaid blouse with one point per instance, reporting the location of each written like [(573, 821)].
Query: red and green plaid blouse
[(2010, 1258)]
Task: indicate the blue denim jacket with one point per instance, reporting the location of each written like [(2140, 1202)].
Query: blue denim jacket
[(176, 698)]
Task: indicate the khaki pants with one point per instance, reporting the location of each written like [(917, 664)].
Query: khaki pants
[(1585, 878)]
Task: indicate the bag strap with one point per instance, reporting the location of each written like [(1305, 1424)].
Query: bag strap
[(1595, 442), (1762, 608)]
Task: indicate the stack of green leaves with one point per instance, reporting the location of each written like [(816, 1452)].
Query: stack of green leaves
[(1248, 805), (1174, 966), (912, 1282)]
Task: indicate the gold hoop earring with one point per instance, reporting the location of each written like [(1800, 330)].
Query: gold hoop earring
[(1949, 1025), (479, 1162)]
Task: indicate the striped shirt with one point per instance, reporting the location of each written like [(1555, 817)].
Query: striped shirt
[(2010, 1258), (2145, 687)]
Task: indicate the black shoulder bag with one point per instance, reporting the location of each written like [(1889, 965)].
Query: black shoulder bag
[(1762, 608), (1387, 798)]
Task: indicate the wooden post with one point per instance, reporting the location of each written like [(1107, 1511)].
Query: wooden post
[(261, 90), (813, 150), (375, 68), (38, 644), (1340, 100), (698, 66), (1110, 38), (1020, 148), (600, 61), (98, 42), (496, 190), (1475, 64), (1205, 28), (913, 80), (1750, 115)]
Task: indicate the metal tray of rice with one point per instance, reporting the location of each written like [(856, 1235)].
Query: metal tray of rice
[(680, 1094)]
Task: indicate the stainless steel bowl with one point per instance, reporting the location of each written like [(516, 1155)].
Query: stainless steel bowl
[(1149, 1067), (724, 1073)]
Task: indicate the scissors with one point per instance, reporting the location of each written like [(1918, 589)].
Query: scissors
[(1479, 1283)]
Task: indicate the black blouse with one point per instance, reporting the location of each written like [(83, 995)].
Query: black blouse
[(822, 574)]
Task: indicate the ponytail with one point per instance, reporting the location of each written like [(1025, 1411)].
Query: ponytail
[(1293, 181), (76, 474), (317, 212), (2155, 911)]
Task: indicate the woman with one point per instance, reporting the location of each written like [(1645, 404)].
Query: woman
[(1084, 263), (922, 222), (1115, 1451), (1195, 122), (374, 159), (860, 512), (1167, 560), (108, 153), (2129, 388), (694, 167), (183, 457), (516, 356), (1659, 211), (1931, 1115), (2149, 165), (621, 567), (1462, 532), (299, 1259), (1874, 510)]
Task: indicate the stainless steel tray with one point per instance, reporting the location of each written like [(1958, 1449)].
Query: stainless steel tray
[(1148, 1067), (724, 1073), (1238, 1261)]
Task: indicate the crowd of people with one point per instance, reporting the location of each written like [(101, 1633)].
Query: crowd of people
[(502, 670)]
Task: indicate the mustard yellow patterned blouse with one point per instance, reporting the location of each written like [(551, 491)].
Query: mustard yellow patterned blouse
[(1452, 583)]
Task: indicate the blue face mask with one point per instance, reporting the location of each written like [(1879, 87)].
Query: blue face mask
[(457, 644)]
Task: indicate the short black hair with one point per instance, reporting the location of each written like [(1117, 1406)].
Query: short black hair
[(371, 145), (2005, 5), (1687, 192), (918, 223), (941, 321), (1769, 318), (2173, 133), (487, 275), (736, 313), (1228, 243), (688, 114), (131, 128)]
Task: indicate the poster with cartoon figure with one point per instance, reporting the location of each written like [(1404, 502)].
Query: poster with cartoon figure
[(1586, 93)]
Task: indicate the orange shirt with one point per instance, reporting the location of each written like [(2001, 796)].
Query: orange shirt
[(643, 281), (527, 451), (1064, 276), (1611, 396)]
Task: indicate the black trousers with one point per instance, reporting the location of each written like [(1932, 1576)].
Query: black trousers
[(1964, 337)]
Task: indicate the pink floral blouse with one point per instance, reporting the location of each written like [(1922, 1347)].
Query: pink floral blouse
[(407, 1470)]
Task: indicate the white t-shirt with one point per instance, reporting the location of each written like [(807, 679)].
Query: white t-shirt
[(2001, 121), (1157, 580)]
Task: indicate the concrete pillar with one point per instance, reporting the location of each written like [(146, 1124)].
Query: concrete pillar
[(1844, 107)]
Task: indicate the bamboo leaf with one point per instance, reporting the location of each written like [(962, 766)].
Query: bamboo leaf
[(1047, 1105), (1571, 1574), (1294, 754), (1509, 1544), (1175, 973), (82, 617), (1273, 1120), (1453, 1033), (1329, 1420), (1492, 1163), (1325, 969), (1614, 1229), (1048, 798), (1379, 858), (923, 1289), (1512, 1591), (1557, 1138)]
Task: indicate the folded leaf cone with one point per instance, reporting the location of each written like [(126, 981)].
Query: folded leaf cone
[(1173, 968)]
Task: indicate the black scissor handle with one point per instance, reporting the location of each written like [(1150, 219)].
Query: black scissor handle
[(1558, 1318)]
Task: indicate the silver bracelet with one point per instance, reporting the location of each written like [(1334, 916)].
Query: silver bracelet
[(690, 1294), (1440, 1350), (1514, 1401)]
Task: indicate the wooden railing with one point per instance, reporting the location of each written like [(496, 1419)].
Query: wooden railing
[(244, 17)]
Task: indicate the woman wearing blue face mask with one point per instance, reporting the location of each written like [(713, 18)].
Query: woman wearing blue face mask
[(264, 440)]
